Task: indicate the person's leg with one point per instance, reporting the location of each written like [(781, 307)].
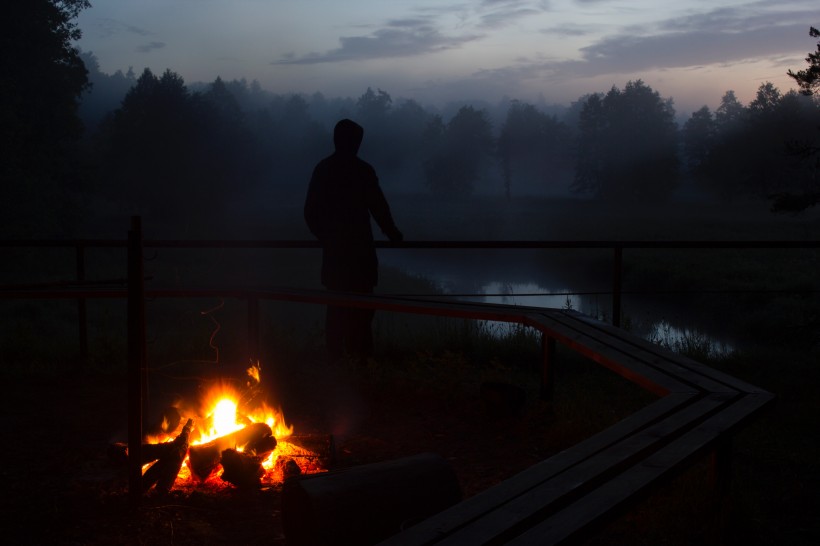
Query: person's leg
[(360, 334), (335, 331)]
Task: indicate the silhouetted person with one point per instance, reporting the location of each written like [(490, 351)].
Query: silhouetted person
[(344, 192)]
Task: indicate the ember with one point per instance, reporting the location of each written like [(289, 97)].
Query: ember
[(231, 437)]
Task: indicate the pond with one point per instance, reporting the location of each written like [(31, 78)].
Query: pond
[(466, 275)]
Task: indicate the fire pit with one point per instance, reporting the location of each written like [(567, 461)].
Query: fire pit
[(230, 437)]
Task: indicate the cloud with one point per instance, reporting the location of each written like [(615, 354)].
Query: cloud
[(719, 37), (420, 33), (108, 27), (150, 46), (399, 38), (494, 14)]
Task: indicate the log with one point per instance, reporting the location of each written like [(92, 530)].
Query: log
[(241, 469), (320, 447), (287, 468), (368, 503), (204, 458), (118, 452), (261, 448), (162, 474)]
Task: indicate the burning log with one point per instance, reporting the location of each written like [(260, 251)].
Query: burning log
[(244, 468), (241, 469), (261, 447), (163, 473), (368, 503), (320, 447), (204, 458), (287, 468)]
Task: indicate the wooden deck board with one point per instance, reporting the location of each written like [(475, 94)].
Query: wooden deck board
[(613, 494), (475, 507), (513, 517)]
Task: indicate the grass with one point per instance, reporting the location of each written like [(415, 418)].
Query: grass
[(774, 491)]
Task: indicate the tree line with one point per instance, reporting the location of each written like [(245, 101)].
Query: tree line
[(154, 145)]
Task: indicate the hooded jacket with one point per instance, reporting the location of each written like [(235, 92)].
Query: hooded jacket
[(343, 194)]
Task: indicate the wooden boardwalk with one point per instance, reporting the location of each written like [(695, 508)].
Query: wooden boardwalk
[(563, 498)]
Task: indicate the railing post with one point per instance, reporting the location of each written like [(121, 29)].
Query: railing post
[(136, 359), (617, 270), (547, 367), (81, 306)]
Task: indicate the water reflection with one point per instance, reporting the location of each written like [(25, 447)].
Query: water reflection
[(676, 337)]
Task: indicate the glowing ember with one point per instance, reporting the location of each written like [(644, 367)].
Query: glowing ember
[(224, 411)]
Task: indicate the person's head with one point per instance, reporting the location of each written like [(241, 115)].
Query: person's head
[(347, 137)]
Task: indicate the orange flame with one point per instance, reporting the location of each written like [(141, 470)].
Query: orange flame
[(223, 410)]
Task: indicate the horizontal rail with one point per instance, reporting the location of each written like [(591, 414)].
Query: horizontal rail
[(501, 244)]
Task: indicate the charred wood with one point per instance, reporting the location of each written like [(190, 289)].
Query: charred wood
[(318, 448), (241, 469), (163, 473), (204, 458), (118, 452)]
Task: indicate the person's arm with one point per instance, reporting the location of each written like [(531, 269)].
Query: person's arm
[(377, 203)]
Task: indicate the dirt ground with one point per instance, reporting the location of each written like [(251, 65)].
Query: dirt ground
[(59, 487)]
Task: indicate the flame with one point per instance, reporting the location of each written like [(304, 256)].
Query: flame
[(224, 410), (225, 417)]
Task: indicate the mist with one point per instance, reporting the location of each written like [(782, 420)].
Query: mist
[(222, 158)]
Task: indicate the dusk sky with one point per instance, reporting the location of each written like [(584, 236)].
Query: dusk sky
[(435, 51)]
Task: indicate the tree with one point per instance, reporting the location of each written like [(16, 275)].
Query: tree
[(766, 100), (372, 112), (628, 145), (730, 114), (699, 133), (532, 147), (408, 123), (43, 79), (756, 150), (105, 92), (809, 78), (373, 106), (467, 144), (149, 145), (809, 81)]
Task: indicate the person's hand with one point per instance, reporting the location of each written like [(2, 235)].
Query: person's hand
[(395, 236)]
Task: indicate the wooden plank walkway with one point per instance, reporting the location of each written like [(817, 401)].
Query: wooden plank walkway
[(564, 497)]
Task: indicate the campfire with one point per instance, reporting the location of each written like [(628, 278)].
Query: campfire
[(230, 437)]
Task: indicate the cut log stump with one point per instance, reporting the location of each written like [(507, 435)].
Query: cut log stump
[(366, 504)]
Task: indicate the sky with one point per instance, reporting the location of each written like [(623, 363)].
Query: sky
[(438, 51)]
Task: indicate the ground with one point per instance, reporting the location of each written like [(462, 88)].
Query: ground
[(61, 488)]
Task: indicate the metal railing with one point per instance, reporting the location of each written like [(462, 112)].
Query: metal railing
[(81, 288)]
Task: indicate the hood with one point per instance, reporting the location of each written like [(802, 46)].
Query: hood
[(347, 137)]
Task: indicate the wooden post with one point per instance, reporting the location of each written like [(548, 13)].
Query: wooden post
[(253, 329), (81, 307), (720, 465), (547, 370), (136, 359), (617, 269)]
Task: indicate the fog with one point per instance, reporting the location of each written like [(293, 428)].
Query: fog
[(231, 160)]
